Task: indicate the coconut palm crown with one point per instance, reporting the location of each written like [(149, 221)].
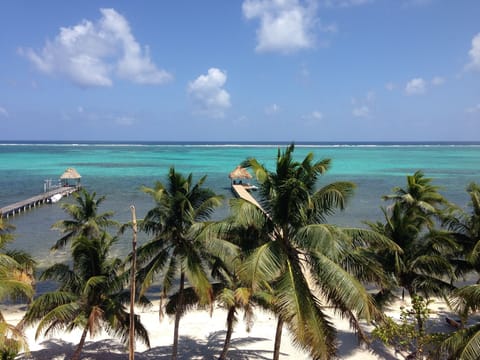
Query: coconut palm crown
[(181, 208), (411, 222), (85, 219), (306, 263), (91, 295)]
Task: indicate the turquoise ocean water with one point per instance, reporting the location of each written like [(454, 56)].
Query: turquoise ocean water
[(119, 170)]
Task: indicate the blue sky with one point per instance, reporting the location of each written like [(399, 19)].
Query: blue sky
[(251, 70)]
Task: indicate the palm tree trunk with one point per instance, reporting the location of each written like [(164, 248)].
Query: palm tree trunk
[(278, 339), (230, 317), (178, 315), (131, 337), (78, 351)]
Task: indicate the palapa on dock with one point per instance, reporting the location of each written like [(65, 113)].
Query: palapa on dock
[(241, 190)]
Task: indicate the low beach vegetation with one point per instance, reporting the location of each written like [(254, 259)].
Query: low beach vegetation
[(283, 257)]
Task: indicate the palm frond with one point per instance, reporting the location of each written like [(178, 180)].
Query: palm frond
[(302, 313), (463, 344), (342, 290), (58, 318), (263, 265), (332, 197), (194, 270)]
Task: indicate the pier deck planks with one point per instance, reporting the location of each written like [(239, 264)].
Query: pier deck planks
[(18, 207)]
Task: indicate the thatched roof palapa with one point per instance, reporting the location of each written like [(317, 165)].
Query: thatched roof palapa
[(70, 173), (240, 173)]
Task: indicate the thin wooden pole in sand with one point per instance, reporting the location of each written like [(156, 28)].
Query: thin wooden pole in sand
[(131, 342)]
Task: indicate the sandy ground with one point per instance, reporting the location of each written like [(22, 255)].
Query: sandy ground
[(202, 336)]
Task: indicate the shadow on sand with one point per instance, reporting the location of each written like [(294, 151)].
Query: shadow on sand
[(348, 344), (189, 348)]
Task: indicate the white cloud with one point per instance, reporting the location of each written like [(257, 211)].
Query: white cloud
[(317, 115), (345, 3), (362, 111), (473, 109), (285, 25), (416, 86), (272, 109), (3, 112), (438, 80), (89, 53), (474, 54), (208, 94)]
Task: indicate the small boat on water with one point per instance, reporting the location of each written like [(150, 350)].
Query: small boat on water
[(250, 187), (55, 198)]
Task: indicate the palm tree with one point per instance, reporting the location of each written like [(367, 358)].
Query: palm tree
[(84, 218), (229, 292), (234, 296), (303, 262), (180, 208), (91, 294), (411, 223), (16, 282), (465, 227), (226, 242)]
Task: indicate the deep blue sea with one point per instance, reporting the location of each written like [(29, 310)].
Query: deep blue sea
[(118, 170)]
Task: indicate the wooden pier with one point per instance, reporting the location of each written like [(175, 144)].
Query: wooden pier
[(241, 191), (35, 201)]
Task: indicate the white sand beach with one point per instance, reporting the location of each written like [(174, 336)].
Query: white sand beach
[(202, 336)]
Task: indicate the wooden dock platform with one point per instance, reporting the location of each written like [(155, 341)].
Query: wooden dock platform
[(35, 201), (241, 191)]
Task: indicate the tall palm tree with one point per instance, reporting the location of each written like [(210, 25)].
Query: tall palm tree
[(85, 219), (304, 262), (411, 222), (91, 294), (227, 242), (16, 282), (181, 206)]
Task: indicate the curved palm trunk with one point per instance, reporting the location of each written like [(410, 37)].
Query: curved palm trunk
[(226, 345), (278, 339), (78, 351), (178, 315)]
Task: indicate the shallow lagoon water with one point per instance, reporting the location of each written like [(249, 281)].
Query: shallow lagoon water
[(118, 171)]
